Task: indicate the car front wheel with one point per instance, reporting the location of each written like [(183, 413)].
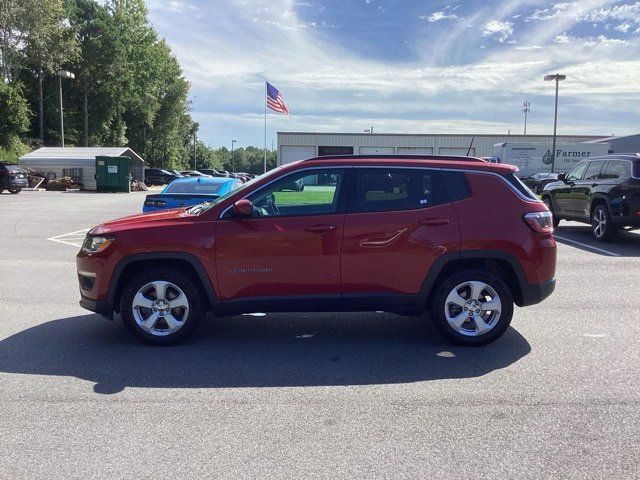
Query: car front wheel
[(15, 190), (603, 228), (472, 308), (161, 306)]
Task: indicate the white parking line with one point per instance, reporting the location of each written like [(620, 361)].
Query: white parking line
[(586, 245), (74, 239)]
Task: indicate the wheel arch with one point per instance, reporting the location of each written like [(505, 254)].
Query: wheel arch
[(597, 201), (185, 262), (499, 263)]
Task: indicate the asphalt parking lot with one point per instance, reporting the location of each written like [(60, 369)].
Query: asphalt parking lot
[(311, 395)]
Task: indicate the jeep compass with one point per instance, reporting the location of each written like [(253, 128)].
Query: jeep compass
[(458, 237)]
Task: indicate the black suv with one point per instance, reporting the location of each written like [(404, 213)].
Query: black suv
[(12, 178), (157, 176), (603, 191)]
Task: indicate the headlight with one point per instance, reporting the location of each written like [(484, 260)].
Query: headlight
[(93, 244)]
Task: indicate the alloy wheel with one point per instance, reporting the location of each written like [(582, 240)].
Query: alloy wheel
[(599, 223), (160, 308), (473, 308)]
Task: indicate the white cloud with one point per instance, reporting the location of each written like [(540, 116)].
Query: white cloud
[(499, 30), (226, 54), (437, 16), (629, 12), (623, 27)]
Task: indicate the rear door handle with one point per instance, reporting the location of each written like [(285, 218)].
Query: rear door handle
[(320, 228), (594, 184), (434, 222)]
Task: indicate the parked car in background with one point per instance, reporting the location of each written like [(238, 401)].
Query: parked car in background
[(538, 181), (212, 172), (185, 192), (603, 191), (12, 178), (157, 176), (427, 243), (193, 173)]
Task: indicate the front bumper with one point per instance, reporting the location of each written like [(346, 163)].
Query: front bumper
[(533, 293), (103, 307)]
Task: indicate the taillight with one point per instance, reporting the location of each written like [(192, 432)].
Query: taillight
[(540, 222)]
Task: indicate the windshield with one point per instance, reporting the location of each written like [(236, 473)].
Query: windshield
[(206, 206)]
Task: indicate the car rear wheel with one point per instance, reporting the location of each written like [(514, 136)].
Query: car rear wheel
[(472, 308), (603, 228), (161, 306), (15, 190)]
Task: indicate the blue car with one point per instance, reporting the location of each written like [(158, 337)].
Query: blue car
[(189, 191)]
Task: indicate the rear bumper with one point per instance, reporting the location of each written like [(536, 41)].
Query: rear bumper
[(533, 293)]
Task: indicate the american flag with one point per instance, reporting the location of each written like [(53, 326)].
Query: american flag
[(275, 101)]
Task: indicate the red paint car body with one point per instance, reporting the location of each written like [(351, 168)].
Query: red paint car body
[(357, 253)]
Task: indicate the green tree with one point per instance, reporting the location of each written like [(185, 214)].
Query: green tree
[(50, 43), (14, 120)]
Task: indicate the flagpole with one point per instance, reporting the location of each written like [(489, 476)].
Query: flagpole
[(265, 125)]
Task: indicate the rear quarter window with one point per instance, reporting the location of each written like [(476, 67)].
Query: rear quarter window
[(520, 187), (457, 185)]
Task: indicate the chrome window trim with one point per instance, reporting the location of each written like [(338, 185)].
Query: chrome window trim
[(479, 172)]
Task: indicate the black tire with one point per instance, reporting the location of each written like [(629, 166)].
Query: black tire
[(437, 307), (14, 191), (179, 279), (607, 231), (556, 219)]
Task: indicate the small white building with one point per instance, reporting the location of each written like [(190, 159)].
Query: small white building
[(294, 146), (78, 162)]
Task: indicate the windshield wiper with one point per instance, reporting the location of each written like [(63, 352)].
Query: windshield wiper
[(199, 209)]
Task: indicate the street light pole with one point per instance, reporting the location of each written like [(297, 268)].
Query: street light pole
[(233, 167), (557, 77), (62, 74)]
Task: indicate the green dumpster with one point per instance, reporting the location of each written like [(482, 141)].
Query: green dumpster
[(113, 174)]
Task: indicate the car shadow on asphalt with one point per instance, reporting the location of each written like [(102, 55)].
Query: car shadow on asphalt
[(276, 350), (626, 244)]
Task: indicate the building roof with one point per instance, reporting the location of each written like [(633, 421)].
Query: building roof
[(615, 137), (80, 153), (478, 135)]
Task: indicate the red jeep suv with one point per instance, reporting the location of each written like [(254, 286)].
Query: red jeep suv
[(459, 237)]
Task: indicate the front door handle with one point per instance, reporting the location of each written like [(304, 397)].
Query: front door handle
[(594, 184), (320, 228), (434, 222)]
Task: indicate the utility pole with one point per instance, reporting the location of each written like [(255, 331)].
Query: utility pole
[(526, 108), (195, 126), (233, 163), (557, 78)]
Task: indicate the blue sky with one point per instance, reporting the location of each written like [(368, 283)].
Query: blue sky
[(406, 66)]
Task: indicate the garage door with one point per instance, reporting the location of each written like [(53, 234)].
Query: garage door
[(292, 153), (377, 151), (415, 150), (456, 151)]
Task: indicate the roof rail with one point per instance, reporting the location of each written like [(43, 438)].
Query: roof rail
[(399, 156)]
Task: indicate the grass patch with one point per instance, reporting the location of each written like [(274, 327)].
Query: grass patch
[(311, 195)]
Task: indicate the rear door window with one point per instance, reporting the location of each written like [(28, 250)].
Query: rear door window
[(394, 189), (617, 169)]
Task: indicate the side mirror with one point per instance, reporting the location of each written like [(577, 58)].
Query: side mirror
[(562, 177), (243, 208)]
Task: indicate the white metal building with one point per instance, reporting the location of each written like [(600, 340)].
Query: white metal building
[(78, 162), (621, 144), (294, 146)]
